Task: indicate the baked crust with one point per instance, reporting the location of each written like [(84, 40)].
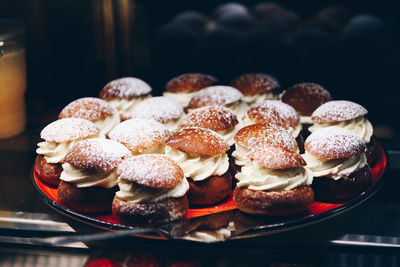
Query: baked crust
[(90, 199), (125, 88), (88, 108), (211, 190), (306, 97), (263, 133), (255, 83), (215, 118), (198, 141), (48, 172), (338, 110), (219, 95), (190, 82), (328, 189), (274, 203), (371, 152), (150, 214)]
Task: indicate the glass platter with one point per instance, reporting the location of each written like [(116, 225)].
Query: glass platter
[(226, 213)]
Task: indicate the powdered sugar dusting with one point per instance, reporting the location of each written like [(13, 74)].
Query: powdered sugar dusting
[(259, 134), (88, 108), (334, 143), (190, 82), (152, 170), (219, 95), (68, 129), (274, 112), (273, 157), (97, 154), (338, 110), (216, 118), (127, 87), (254, 83), (139, 134), (160, 108)]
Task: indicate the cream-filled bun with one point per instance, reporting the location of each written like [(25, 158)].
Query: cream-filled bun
[(305, 98), (59, 136), (220, 95), (141, 136), (275, 113), (152, 190), (183, 87), (275, 183), (88, 181), (256, 87), (201, 153), (96, 110), (219, 119), (163, 109), (124, 93), (337, 159)]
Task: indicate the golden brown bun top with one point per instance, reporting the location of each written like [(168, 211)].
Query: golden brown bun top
[(160, 108), (263, 133), (306, 97), (190, 82), (88, 108), (198, 141), (338, 110), (274, 112), (151, 170), (219, 95), (273, 157), (334, 143), (65, 130), (215, 118), (125, 88), (139, 134), (97, 154), (255, 83)]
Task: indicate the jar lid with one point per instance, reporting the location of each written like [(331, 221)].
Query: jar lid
[(10, 29)]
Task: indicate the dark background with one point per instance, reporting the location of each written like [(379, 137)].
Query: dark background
[(75, 47)]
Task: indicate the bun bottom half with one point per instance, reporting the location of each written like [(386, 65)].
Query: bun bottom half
[(372, 151), (211, 190), (90, 199), (48, 172), (273, 203), (328, 189), (150, 214)]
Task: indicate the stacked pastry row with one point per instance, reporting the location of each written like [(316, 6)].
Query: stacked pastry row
[(147, 158)]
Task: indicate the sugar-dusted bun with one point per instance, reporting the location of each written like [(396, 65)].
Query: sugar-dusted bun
[(274, 112), (327, 189), (198, 141), (90, 199), (162, 109), (211, 190), (48, 172), (306, 97), (334, 143), (215, 118), (219, 95), (88, 108), (139, 135), (97, 154), (125, 88), (338, 110), (273, 203), (151, 170), (263, 133), (274, 157), (255, 83), (190, 82), (69, 129)]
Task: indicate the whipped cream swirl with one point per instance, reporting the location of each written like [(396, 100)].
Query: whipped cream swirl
[(157, 149), (83, 178), (360, 126), (199, 167), (209, 236), (181, 97), (123, 105), (306, 119), (240, 155), (263, 179), (54, 152), (258, 98), (334, 168), (229, 134), (135, 194), (107, 124), (239, 108)]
